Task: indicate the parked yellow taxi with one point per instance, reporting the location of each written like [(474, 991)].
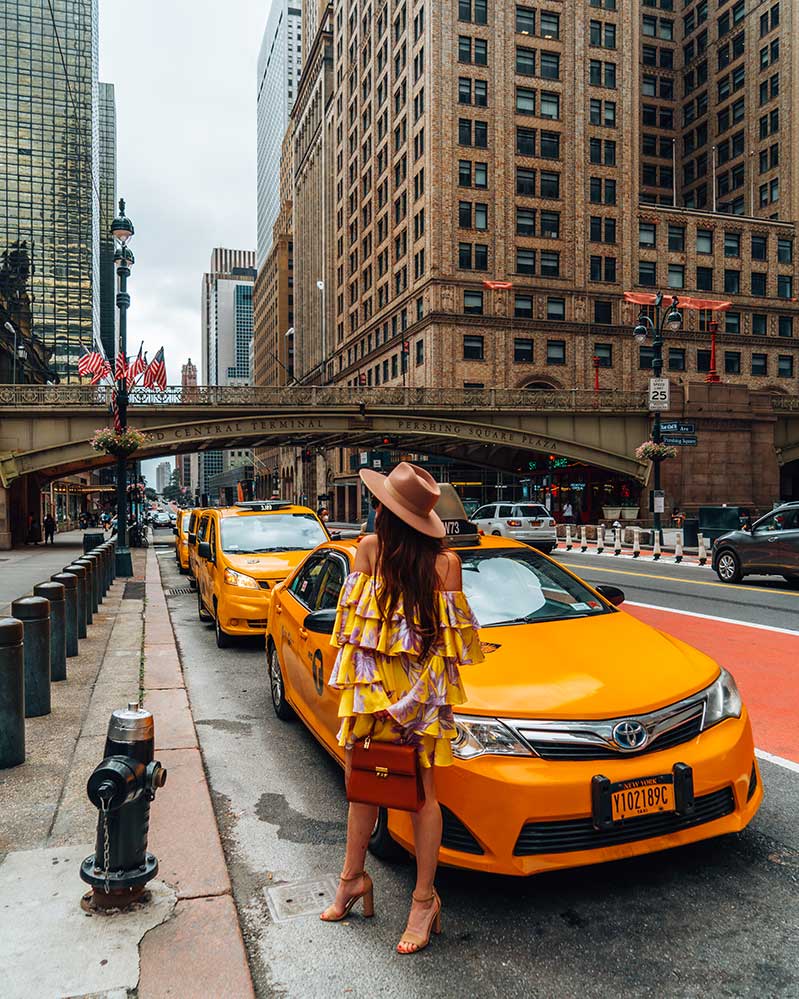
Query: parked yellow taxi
[(587, 735), (191, 543), (242, 552), (180, 530)]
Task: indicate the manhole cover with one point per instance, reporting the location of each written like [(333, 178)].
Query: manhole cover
[(180, 591), (301, 898), (134, 590)]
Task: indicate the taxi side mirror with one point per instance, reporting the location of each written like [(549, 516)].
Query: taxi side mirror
[(321, 621), (175, 531), (613, 594), (204, 550)]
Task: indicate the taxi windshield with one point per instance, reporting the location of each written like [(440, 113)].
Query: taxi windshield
[(514, 586), (272, 532)]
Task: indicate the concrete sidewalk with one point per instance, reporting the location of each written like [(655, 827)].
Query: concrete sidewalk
[(186, 941), (22, 568)]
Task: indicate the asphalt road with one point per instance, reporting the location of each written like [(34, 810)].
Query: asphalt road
[(718, 919)]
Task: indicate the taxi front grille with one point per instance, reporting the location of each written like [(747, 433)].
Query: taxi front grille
[(455, 835), (264, 584), (689, 729), (257, 623), (580, 834)]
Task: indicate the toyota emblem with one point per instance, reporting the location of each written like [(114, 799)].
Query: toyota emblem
[(629, 735)]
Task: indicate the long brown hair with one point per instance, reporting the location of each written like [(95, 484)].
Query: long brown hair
[(406, 563)]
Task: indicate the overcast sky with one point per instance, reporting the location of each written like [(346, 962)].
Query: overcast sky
[(185, 79)]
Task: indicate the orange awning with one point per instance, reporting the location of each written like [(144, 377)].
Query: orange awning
[(684, 301), (497, 285)]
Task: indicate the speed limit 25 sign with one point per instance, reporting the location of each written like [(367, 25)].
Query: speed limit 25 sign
[(658, 393)]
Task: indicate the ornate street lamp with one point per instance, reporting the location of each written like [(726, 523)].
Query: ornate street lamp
[(671, 320), (122, 231)]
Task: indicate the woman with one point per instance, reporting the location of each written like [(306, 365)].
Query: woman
[(403, 627)]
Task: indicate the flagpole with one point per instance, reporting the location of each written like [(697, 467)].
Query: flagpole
[(122, 229)]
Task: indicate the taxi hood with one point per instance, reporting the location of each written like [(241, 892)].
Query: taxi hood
[(592, 667), (269, 565)]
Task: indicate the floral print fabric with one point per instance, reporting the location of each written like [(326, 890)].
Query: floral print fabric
[(378, 669)]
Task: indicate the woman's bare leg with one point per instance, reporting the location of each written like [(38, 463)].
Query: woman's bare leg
[(360, 823), (427, 841)]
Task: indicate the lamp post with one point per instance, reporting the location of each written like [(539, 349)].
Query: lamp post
[(671, 319), (122, 231)]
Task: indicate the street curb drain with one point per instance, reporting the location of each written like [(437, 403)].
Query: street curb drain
[(301, 898), (179, 591)]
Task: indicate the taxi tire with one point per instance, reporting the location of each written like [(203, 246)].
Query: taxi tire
[(381, 843), (223, 640), (202, 613), (282, 708)]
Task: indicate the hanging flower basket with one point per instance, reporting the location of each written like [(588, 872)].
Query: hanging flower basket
[(650, 451), (120, 443)]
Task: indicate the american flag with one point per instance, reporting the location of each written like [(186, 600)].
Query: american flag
[(115, 411), (91, 363), (155, 373), (121, 372), (100, 374), (137, 366)]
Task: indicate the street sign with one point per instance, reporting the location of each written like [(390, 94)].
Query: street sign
[(677, 427), (679, 440), (658, 393), (657, 501)]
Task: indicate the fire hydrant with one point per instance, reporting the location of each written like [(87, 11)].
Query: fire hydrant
[(121, 788)]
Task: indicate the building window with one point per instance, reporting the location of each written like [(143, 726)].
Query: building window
[(550, 145), (525, 61), (676, 238), (550, 225), (759, 248), (556, 309), (785, 325), (647, 233), (465, 214), (784, 286), (525, 20), (785, 251), (556, 351), (550, 263), (760, 364), (525, 141), (603, 312), (525, 182), (704, 278), (522, 350), (759, 324), (550, 105), (732, 362), (785, 365), (525, 261), (604, 354), (732, 322), (732, 244), (550, 25), (473, 303), (549, 185), (473, 348), (647, 273), (759, 283), (732, 282), (646, 358), (676, 359), (676, 276), (523, 307), (704, 240), (525, 221), (525, 100)]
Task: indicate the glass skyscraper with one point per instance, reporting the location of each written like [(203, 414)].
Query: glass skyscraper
[(50, 198), (108, 205)]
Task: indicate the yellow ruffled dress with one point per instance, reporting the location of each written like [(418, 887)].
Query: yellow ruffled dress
[(378, 669)]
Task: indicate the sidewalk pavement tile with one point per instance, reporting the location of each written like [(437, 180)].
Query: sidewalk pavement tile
[(183, 830), (76, 817), (201, 944), (54, 947), (161, 667), (174, 725)]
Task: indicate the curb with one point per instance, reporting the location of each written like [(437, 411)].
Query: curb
[(202, 943)]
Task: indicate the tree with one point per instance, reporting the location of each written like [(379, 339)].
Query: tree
[(150, 494), (172, 491)]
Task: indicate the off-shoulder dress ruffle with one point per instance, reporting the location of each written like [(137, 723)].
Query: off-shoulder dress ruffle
[(378, 669)]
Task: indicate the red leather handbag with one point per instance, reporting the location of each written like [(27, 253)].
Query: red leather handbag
[(385, 774)]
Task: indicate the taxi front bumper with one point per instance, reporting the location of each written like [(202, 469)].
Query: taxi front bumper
[(522, 815), (243, 611)]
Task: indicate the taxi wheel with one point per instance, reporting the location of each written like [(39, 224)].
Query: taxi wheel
[(277, 687), (202, 613), (496, 534), (728, 567), (381, 843), (223, 640)]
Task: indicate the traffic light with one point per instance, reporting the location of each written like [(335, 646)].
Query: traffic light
[(362, 378), (307, 454), (406, 346), (387, 442)]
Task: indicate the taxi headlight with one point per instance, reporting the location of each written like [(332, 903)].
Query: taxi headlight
[(233, 578), (723, 700), (478, 736)]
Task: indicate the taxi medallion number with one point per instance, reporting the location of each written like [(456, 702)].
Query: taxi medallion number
[(643, 796)]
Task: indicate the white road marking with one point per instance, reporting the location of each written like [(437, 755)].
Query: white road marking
[(713, 617), (761, 754)]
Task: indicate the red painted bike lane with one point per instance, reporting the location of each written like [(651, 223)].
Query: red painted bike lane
[(764, 663)]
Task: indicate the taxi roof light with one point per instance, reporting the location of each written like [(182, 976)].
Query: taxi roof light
[(262, 506)]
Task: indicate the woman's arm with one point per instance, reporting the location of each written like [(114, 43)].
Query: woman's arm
[(449, 571)]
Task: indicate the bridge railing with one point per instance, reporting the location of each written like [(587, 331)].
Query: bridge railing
[(321, 396)]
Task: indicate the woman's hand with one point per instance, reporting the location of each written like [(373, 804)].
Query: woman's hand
[(381, 715)]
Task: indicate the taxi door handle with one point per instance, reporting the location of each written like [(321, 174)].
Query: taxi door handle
[(278, 609), (304, 633)]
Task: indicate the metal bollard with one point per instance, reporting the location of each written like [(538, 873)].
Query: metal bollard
[(102, 554), (91, 560), (70, 584), (678, 547), (79, 572), (656, 547), (583, 539), (90, 604), (636, 542), (98, 575), (600, 539), (702, 552), (54, 592), (106, 574), (12, 694), (34, 613), (569, 544), (113, 568)]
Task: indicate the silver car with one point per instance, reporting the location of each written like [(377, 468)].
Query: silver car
[(528, 522), (771, 549)]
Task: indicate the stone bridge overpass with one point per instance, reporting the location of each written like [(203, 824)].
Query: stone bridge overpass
[(45, 430)]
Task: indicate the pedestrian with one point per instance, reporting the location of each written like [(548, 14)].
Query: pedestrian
[(34, 531), (49, 529), (403, 627), (568, 513)]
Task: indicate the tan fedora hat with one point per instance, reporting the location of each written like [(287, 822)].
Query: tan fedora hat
[(411, 493)]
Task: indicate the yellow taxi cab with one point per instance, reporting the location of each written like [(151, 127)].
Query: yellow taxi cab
[(180, 530), (242, 551), (191, 543), (587, 735)]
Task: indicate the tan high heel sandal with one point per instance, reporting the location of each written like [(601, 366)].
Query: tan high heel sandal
[(367, 895), (418, 942)]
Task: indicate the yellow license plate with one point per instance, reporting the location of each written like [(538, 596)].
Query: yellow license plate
[(643, 796)]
